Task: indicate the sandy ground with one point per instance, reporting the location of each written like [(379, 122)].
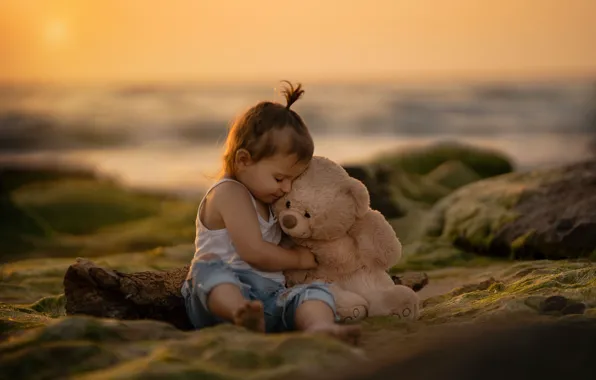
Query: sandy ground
[(442, 281)]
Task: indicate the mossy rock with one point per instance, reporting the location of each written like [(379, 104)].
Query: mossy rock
[(55, 212), (18, 227), (93, 348), (419, 177), (417, 188), (16, 175), (453, 175), (544, 213), (382, 197), (83, 206), (484, 162), (428, 254), (15, 319), (516, 291)]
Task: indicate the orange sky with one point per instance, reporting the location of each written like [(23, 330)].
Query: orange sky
[(107, 40)]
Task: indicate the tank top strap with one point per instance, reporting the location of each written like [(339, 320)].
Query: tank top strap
[(254, 202)]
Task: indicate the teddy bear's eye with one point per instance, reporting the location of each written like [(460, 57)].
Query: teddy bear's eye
[(288, 204), (306, 215)]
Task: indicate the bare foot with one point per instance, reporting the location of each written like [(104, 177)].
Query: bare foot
[(347, 333), (250, 315)]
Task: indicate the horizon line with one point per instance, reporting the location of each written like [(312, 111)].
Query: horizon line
[(455, 76)]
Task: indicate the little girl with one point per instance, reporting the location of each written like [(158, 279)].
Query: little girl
[(236, 274)]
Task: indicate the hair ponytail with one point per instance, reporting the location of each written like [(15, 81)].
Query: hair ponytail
[(292, 93)]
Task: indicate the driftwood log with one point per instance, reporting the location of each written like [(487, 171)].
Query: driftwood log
[(93, 290), (102, 292)]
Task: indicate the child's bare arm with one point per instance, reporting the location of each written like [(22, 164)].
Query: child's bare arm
[(286, 242), (240, 218)]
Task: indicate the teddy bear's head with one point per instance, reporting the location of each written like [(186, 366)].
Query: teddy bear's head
[(324, 202)]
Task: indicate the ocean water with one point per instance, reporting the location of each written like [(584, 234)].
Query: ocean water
[(170, 137)]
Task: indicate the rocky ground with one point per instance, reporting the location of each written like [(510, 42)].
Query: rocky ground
[(497, 247)]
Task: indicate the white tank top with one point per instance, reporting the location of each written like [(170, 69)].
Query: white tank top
[(218, 241)]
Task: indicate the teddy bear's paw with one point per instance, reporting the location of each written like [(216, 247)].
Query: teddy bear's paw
[(353, 314), (407, 313)]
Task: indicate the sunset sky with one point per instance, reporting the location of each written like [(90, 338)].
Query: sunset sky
[(139, 40)]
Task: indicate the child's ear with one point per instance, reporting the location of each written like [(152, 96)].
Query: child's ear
[(242, 158), (361, 197)]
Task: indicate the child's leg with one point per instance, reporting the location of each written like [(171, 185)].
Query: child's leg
[(318, 317), (214, 294), (227, 302), (311, 308)]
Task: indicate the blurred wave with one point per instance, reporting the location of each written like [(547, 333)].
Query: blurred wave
[(79, 117), (131, 121)]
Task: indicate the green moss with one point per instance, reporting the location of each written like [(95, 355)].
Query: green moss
[(88, 216), (516, 292), (73, 357), (16, 176), (453, 175), (417, 188), (52, 306), (111, 349), (15, 319), (52, 211), (472, 216), (485, 162), (84, 206), (18, 226), (104, 349), (519, 243), (428, 254)]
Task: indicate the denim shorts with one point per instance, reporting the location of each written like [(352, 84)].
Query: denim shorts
[(279, 303)]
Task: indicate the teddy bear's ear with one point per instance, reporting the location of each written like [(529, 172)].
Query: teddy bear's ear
[(361, 197)]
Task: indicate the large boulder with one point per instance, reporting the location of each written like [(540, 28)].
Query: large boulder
[(544, 213), (410, 179), (423, 160), (453, 174), (55, 210), (381, 196)]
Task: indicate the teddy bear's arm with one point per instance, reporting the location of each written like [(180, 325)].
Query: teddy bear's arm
[(377, 243), (297, 276)]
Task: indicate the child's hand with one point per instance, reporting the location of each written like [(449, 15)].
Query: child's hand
[(306, 258)]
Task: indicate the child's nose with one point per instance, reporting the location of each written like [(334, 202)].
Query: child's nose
[(286, 186)]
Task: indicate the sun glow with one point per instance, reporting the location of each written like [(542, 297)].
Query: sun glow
[(56, 33), (232, 40)]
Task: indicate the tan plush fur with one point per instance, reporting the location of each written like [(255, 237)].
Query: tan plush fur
[(329, 212)]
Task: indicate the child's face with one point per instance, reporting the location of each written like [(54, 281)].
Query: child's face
[(271, 178)]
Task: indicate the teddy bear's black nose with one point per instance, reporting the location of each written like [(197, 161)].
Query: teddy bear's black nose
[(289, 221)]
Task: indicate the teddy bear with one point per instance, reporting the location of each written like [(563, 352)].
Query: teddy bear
[(329, 212)]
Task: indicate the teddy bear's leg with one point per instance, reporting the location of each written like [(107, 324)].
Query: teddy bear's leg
[(398, 300), (351, 307)]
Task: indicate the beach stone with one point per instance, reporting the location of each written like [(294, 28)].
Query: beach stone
[(379, 190), (553, 303), (543, 213), (574, 308), (414, 280)]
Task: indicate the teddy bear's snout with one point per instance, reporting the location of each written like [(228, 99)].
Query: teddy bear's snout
[(289, 221)]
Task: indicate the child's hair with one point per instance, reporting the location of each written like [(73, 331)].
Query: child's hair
[(255, 130)]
